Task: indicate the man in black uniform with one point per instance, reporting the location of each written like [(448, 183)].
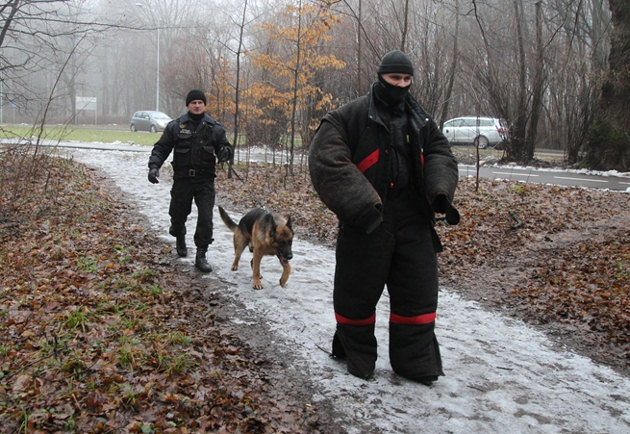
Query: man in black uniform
[(198, 141), (381, 164)]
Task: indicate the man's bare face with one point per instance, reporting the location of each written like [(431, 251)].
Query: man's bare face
[(196, 106)]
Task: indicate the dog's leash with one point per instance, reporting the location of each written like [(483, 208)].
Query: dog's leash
[(256, 199)]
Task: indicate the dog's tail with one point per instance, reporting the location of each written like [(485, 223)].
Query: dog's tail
[(227, 220)]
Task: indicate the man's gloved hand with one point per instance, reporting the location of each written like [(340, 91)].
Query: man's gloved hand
[(154, 174), (442, 205), (224, 154)]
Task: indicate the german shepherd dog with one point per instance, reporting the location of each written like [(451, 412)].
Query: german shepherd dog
[(266, 233)]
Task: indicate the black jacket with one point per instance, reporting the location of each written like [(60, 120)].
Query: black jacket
[(349, 161), (194, 148)]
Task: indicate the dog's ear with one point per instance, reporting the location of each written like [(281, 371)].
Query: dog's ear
[(289, 223), (271, 222)]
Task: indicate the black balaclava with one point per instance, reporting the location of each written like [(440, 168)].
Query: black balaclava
[(394, 61)]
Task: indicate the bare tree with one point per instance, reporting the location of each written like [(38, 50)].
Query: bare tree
[(405, 26), (609, 140), (360, 43), (36, 38), (576, 64), (452, 72), (538, 82), (495, 79), (237, 85), (26, 27)]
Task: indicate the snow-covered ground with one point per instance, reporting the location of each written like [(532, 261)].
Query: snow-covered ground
[(501, 375)]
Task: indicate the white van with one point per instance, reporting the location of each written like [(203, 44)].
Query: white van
[(476, 130)]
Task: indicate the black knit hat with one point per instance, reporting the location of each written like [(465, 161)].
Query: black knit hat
[(195, 94), (396, 61)]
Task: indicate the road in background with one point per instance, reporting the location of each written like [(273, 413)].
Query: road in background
[(572, 178), (549, 176)]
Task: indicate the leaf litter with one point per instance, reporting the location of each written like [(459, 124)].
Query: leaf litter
[(100, 333)]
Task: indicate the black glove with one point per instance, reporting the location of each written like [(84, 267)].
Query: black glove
[(154, 174), (443, 206), (224, 154)]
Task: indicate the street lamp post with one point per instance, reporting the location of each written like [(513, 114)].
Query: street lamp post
[(1, 101), (157, 65), (157, 73)]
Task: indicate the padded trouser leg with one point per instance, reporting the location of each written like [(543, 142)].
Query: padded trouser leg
[(414, 352), (359, 346)]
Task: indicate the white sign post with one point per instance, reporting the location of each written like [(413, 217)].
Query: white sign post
[(85, 103)]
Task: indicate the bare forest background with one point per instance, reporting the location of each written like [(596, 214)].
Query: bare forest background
[(558, 71)]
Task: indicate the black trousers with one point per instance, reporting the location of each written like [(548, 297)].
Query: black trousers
[(183, 192), (400, 255)]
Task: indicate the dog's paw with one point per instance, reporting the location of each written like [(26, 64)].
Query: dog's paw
[(258, 285)]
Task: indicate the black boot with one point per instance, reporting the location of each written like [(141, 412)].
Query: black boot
[(337, 349), (358, 345), (414, 352), (180, 239), (200, 260), (180, 245)]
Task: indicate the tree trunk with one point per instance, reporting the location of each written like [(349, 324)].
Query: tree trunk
[(237, 88), (537, 90), (608, 145), (359, 49), (405, 29), (454, 61), (296, 74)]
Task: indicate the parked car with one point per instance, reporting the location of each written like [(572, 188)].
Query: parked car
[(148, 120), (476, 130)]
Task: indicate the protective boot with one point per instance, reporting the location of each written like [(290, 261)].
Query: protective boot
[(414, 352), (180, 245), (358, 346), (337, 349), (200, 260)]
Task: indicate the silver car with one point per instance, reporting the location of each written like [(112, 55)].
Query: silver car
[(475, 130), (148, 120)]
